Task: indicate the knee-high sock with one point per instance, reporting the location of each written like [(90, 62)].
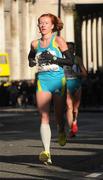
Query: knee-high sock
[(45, 132)]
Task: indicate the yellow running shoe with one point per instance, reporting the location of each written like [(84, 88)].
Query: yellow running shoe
[(62, 139), (45, 157)]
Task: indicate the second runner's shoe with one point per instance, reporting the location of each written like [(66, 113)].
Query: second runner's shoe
[(74, 130)]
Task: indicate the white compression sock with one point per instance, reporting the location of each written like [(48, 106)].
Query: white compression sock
[(45, 132)]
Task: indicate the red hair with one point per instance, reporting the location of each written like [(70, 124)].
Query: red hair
[(58, 24)]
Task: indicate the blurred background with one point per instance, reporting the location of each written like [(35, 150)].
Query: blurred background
[(83, 24)]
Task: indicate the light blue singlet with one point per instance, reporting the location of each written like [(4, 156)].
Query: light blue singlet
[(51, 77), (73, 82)]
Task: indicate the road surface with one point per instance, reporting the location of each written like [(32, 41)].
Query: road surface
[(20, 145)]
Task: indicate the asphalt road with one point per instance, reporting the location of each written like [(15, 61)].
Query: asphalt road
[(20, 145)]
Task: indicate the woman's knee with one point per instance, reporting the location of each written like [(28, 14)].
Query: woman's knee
[(44, 117)]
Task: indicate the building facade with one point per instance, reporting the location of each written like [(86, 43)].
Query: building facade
[(83, 24)]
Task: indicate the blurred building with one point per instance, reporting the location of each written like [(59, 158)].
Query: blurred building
[(83, 24)]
